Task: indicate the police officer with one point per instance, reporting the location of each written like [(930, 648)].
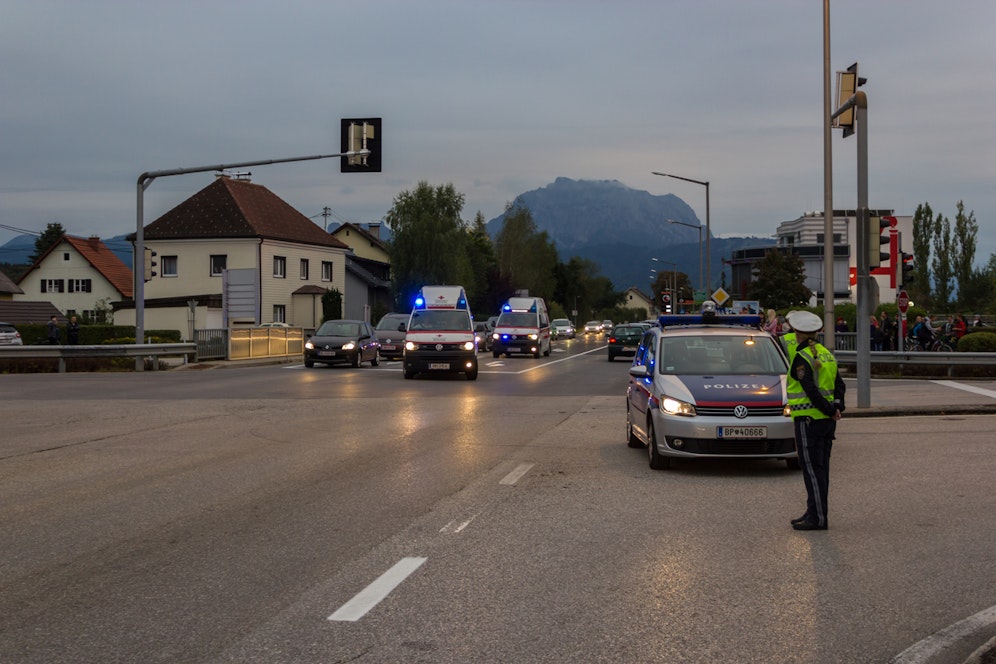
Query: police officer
[(816, 398), (789, 342)]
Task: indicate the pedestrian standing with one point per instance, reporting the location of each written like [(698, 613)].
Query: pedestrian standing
[(816, 398), (72, 331), (53, 331)]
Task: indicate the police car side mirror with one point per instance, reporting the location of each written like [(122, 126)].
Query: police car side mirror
[(638, 371)]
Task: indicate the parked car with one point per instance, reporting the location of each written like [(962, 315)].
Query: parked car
[(342, 341), (561, 328), (9, 336), (593, 327), (709, 386), (624, 340), (391, 335)]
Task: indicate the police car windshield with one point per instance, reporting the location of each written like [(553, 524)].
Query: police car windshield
[(720, 354), (516, 319), (428, 319)]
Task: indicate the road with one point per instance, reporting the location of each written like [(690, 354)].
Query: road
[(225, 516)]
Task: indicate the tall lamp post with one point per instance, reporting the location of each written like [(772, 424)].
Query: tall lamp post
[(699, 227), (708, 231)]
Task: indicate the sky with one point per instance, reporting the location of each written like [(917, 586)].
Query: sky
[(497, 98)]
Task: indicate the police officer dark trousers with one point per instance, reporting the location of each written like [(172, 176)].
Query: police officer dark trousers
[(816, 397)]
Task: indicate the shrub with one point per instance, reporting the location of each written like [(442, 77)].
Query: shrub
[(978, 342)]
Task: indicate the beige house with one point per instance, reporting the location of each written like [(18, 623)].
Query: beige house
[(235, 254), (635, 299), (78, 276), (365, 244)]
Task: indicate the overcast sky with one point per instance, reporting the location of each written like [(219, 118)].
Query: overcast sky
[(497, 98)]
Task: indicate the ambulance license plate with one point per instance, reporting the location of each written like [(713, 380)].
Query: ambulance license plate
[(742, 432)]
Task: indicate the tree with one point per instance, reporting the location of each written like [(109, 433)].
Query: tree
[(331, 304), (430, 239), (780, 281), (53, 233), (923, 233), (941, 264), (484, 286), (963, 244), (526, 258)]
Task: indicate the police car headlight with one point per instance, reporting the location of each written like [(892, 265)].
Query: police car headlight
[(787, 410), (676, 407), (349, 345), (534, 336), (411, 345), (468, 345), (309, 345)]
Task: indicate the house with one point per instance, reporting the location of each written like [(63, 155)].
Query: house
[(236, 254), (8, 289), (368, 270), (80, 276), (634, 298)]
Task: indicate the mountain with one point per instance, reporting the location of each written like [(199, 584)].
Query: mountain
[(18, 250), (623, 229)]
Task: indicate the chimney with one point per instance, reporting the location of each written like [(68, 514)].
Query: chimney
[(374, 227)]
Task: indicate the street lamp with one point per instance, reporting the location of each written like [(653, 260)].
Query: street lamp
[(699, 227), (708, 231)]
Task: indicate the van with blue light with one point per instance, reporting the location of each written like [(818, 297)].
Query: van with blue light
[(522, 327), (440, 336)]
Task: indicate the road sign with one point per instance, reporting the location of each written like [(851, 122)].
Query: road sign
[(903, 301), (720, 296)]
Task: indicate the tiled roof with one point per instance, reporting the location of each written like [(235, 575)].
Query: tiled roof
[(359, 230), (7, 285), (25, 311), (106, 262), (229, 208)]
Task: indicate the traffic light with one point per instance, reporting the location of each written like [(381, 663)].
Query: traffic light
[(847, 84), (875, 240), (358, 134), (906, 273), (149, 264)]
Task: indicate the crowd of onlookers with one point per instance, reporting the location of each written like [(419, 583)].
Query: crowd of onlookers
[(924, 332)]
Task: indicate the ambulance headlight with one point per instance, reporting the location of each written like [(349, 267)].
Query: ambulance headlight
[(534, 336), (411, 345), (469, 345)]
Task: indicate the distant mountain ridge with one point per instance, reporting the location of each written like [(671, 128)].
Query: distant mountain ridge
[(623, 229)]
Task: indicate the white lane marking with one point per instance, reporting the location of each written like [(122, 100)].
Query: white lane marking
[(373, 594), (517, 474), (935, 644), (455, 527), (968, 388)]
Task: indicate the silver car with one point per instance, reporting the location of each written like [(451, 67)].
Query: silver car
[(9, 336), (709, 386)]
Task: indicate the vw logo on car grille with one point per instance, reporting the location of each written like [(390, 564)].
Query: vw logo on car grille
[(740, 411), (439, 346)]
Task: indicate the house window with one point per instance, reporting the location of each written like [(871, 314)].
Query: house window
[(279, 267), (169, 265), (80, 285), (52, 286), (279, 313), (218, 264), (304, 268), (65, 255), (326, 270)]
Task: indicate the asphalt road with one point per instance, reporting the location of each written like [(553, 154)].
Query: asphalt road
[(226, 515)]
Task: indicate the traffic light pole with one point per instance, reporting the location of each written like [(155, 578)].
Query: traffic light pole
[(859, 102), (145, 179)]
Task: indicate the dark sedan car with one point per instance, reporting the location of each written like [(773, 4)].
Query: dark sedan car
[(391, 335), (343, 342), (624, 339)]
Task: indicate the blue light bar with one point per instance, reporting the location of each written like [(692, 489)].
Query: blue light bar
[(747, 320), (506, 308), (419, 302)]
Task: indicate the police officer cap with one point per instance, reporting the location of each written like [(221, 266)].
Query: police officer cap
[(804, 321)]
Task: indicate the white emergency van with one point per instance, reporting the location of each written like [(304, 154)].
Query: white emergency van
[(522, 327), (440, 336)]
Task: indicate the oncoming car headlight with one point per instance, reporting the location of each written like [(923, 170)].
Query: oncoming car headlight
[(349, 345), (676, 407), (468, 345), (309, 345)]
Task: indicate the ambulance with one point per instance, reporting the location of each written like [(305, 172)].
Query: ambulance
[(522, 327), (440, 336)]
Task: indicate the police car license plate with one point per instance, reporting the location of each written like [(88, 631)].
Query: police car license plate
[(445, 366), (741, 432), (327, 353)]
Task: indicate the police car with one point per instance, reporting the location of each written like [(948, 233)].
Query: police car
[(709, 385)]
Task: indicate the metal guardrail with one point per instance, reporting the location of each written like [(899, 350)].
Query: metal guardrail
[(155, 351), (950, 360)]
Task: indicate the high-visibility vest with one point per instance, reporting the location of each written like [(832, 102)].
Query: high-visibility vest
[(791, 345), (826, 378)]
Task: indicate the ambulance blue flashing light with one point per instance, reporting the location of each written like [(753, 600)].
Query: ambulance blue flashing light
[(506, 308), (747, 320), (419, 302)]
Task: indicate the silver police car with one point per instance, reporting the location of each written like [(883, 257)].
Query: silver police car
[(709, 385)]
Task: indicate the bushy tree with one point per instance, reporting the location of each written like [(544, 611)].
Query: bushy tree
[(940, 264), (526, 257), (780, 282), (923, 234), (53, 233)]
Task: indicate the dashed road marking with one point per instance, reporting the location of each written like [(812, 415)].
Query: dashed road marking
[(517, 474), (375, 593)]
